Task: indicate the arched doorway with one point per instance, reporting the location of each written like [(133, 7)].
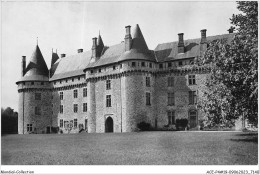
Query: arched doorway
[(109, 125), (193, 118)]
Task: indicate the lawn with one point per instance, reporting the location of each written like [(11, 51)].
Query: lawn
[(143, 148)]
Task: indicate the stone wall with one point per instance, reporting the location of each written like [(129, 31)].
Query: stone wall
[(181, 90)]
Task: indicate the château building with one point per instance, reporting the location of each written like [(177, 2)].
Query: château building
[(113, 88)]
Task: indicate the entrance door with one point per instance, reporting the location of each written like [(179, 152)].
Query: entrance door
[(109, 126), (86, 124), (193, 119)]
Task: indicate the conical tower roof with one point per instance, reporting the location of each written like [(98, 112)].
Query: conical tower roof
[(37, 66), (100, 42), (138, 41)]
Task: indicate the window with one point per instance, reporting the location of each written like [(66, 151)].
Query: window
[(54, 82), (170, 81), (99, 70), (143, 64), (29, 127), (51, 96), (75, 108), (61, 123), (60, 81), (160, 66), (32, 83), (171, 99), (191, 61), (148, 98), (171, 117), (169, 64), (85, 107), (42, 83), (108, 84), (75, 93), (85, 92), (37, 96), (75, 123), (133, 64), (66, 80), (148, 82), (61, 109), (192, 97), (108, 101), (180, 63), (150, 65), (121, 66), (114, 67), (37, 110), (78, 78), (91, 71), (61, 95), (192, 79), (72, 79)]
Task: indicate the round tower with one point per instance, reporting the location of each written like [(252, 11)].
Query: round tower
[(34, 110), (138, 95)]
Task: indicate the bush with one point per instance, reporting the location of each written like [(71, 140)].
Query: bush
[(143, 126)]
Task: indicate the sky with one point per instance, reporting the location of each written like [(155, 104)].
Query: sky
[(68, 26)]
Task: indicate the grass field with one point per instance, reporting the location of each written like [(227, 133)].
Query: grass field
[(143, 148)]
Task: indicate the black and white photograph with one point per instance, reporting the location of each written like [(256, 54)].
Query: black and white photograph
[(151, 87)]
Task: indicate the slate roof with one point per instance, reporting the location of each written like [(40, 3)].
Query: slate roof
[(70, 66), (36, 69), (169, 51), (116, 53), (76, 64)]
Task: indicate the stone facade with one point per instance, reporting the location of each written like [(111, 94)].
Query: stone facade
[(124, 85)]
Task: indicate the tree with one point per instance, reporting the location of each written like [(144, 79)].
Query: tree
[(9, 121), (233, 85)]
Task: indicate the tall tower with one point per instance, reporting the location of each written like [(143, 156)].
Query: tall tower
[(34, 95)]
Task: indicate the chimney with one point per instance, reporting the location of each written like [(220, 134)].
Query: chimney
[(128, 38), (180, 43), (23, 65), (203, 36), (80, 50), (62, 55), (94, 48)]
